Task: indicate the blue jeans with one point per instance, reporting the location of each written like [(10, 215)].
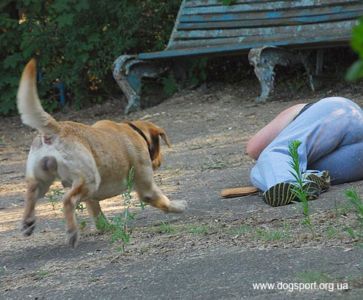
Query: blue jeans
[(331, 136)]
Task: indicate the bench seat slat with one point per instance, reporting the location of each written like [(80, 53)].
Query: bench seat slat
[(240, 48), (312, 19), (188, 20), (249, 7)]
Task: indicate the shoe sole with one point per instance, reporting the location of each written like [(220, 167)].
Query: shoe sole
[(279, 194)]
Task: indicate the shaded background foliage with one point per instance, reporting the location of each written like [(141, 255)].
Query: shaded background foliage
[(356, 70), (76, 42)]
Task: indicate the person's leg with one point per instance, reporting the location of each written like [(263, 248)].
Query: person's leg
[(344, 164), (324, 127)]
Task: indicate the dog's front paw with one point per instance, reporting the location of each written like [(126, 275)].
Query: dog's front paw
[(72, 238), (177, 206), (28, 226)]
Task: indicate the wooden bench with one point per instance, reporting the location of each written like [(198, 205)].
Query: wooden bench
[(269, 30)]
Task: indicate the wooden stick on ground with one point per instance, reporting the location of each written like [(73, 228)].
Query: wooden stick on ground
[(239, 192)]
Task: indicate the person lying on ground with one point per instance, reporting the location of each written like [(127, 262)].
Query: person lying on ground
[(331, 149)]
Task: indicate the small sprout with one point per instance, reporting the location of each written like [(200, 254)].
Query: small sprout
[(299, 189), (54, 195)]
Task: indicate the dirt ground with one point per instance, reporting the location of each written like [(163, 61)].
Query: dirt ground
[(219, 247)]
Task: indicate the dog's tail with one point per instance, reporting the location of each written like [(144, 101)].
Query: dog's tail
[(29, 106)]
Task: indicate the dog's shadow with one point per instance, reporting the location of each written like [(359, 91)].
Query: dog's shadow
[(35, 257)]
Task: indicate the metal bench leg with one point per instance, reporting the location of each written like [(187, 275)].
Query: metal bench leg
[(128, 71), (264, 61), (264, 69), (303, 58), (319, 61), (312, 68)]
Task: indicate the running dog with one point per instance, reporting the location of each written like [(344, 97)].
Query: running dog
[(92, 161)]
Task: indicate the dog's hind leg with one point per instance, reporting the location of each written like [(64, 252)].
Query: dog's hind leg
[(70, 201), (150, 193), (41, 176), (36, 189)]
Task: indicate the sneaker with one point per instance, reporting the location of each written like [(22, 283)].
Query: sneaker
[(312, 190), (320, 178), (280, 194), (283, 193)]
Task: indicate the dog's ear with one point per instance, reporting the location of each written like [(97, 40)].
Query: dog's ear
[(155, 153), (152, 134), (158, 131)]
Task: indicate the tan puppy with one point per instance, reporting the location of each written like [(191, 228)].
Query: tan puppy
[(94, 161)]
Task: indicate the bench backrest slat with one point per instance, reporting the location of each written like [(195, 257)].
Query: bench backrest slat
[(260, 6), (207, 23), (273, 22), (198, 3), (265, 16)]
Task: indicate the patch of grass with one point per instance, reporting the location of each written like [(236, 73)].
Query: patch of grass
[(119, 225), (241, 230), (116, 226), (41, 274), (82, 224), (127, 215), (213, 165), (142, 205), (270, 234), (351, 232), (357, 205), (103, 225), (314, 276), (342, 209), (55, 195), (198, 229), (331, 232), (166, 227), (275, 234), (79, 209), (121, 232)]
